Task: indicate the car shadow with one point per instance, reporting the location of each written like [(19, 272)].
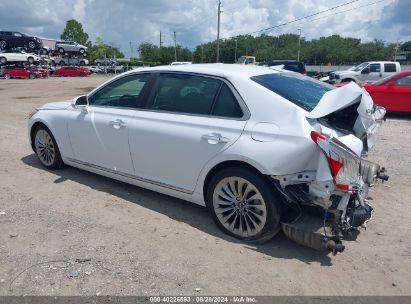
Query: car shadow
[(280, 247)]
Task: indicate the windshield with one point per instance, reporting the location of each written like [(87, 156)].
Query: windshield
[(359, 67), (241, 60), (303, 91)]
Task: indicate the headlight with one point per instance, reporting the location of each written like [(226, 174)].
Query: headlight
[(32, 113)]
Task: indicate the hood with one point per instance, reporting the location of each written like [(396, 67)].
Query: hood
[(370, 116), (61, 105)]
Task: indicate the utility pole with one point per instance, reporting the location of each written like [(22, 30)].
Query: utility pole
[(299, 45), (175, 47), (218, 31), (131, 50), (202, 54), (160, 40), (235, 52)]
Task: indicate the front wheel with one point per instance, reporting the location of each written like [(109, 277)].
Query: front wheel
[(30, 60), (32, 76), (31, 45), (7, 76), (3, 44), (244, 205), (46, 148), (3, 60)]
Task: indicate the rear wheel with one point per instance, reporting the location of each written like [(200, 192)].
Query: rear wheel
[(61, 50), (82, 74), (3, 60), (81, 51), (30, 60), (7, 76), (32, 76), (31, 45), (244, 205), (46, 148)]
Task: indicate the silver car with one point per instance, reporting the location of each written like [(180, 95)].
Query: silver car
[(70, 46)]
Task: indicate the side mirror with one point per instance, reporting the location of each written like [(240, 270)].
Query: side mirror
[(390, 84), (80, 102), (365, 71)]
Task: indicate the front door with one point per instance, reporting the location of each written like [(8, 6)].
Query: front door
[(100, 135), (187, 121)]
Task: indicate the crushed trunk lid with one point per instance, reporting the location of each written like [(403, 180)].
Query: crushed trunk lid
[(370, 116)]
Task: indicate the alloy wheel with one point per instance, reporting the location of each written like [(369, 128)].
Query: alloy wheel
[(239, 206), (32, 45), (45, 147), (3, 45)]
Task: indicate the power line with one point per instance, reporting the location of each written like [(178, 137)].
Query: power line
[(298, 19)]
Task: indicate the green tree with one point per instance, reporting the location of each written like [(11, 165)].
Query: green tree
[(74, 32)]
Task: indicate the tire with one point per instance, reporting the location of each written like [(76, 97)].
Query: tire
[(240, 218), (30, 60), (61, 50), (3, 44), (7, 76), (81, 51), (31, 45), (32, 76), (348, 80), (46, 148), (98, 63), (82, 74), (3, 60)]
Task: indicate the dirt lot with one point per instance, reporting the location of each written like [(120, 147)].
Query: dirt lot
[(137, 242)]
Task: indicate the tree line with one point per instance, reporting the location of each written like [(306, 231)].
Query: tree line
[(331, 50)]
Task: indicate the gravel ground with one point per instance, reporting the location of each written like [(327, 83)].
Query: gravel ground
[(70, 232)]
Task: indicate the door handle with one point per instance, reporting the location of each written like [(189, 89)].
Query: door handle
[(216, 137), (117, 124)]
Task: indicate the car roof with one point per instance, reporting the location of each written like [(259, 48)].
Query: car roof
[(213, 69)]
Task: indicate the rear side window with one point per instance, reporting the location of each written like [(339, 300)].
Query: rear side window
[(389, 67), (303, 91), (182, 93), (226, 104)]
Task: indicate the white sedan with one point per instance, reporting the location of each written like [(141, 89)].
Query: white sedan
[(263, 149), (18, 56)]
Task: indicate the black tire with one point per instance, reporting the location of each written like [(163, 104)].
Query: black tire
[(3, 44), (32, 76), (348, 80), (7, 76), (57, 162), (81, 51), (31, 45), (3, 60), (82, 74), (273, 205), (61, 50), (30, 60)]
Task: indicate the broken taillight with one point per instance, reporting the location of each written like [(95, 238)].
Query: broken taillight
[(344, 164)]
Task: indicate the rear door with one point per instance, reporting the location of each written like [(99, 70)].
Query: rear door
[(187, 121), (389, 69)]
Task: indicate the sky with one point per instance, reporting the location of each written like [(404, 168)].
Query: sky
[(121, 22)]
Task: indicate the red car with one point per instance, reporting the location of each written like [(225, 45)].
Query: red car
[(393, 93), (20, 72), (72, 71), (43, 72)]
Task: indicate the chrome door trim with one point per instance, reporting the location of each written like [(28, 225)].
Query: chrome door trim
[(138, 178)]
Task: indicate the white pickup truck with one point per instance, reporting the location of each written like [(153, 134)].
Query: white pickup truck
[(366, 72)]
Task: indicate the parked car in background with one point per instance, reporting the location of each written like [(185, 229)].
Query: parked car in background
[(367, 72), (247, 60), (393, 93), (102, 61), (289, 65), (10, 39), (96, 69), (59, 60), (180, 62), (20, 72), (254, 145), (72, 71), (70, 46), (44, 73), (18, 56)]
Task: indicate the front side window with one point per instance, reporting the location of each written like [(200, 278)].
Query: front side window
[(183, 93), (303, 91), (403, 81), (389, 68), (124, 92), (375, 67)]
